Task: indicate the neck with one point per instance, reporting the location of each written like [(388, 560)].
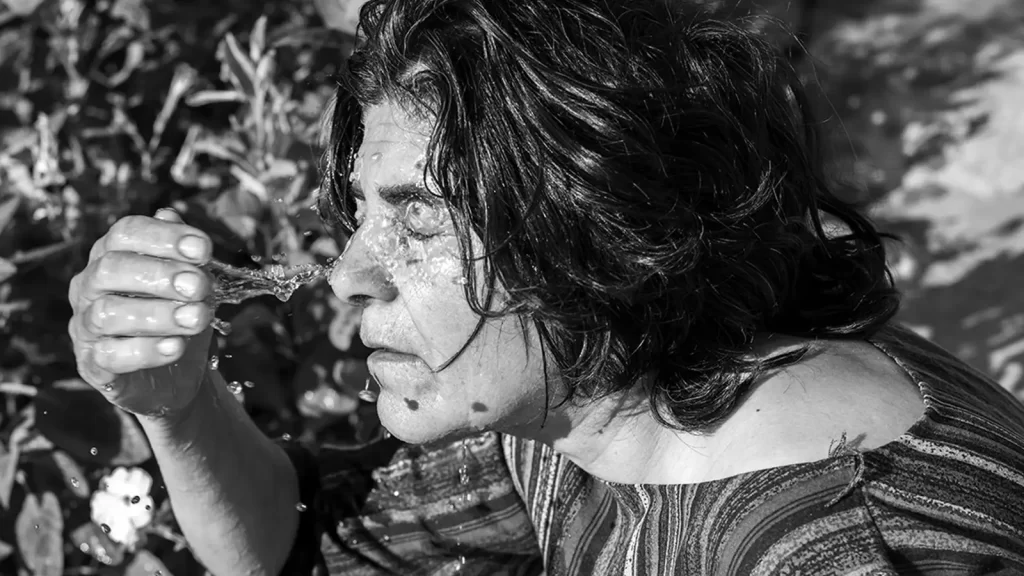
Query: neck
[(618, 439)]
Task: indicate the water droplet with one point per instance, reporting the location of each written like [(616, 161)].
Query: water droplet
[(353, 542), (463, 475), (386, 538), (148, 507), (108, 387), (74, 482), (105, 528), (224, 328), (135, 499), (159, 573), (214, 362), (235, 387), (300, 507), (249, 384), (36, 527), (387, 435), (257, 258), (396, 493), (286, 437), (93, 451), (462, 560)]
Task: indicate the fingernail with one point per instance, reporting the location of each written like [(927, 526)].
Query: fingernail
[(167, 214), (187, 284), (192, 247), (187, 316), (168, 346)]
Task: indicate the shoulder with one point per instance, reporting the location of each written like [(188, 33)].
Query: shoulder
[(842, 392)]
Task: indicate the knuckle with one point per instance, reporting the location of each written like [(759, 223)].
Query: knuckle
[(98, 247), (108, 265), (73, 290), (97, 315)]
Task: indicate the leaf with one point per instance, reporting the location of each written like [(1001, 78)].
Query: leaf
[(9, 462), (7, 211), (5, 550), (38, 529), (133, 12), (204, 97), (7, 269), (241, 71), (73, 474), (146, 564), (22, 7), (91, 540), (258, 39), (80, 421), (8, 468)]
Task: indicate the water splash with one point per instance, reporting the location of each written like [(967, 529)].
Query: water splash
[(234, 284), (237, 284)]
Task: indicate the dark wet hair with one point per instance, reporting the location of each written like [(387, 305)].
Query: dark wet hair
[(646, 181)]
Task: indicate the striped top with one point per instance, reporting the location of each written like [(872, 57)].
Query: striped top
[(946, 497)]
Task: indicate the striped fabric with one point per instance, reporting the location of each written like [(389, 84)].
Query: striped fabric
[(946, 497)]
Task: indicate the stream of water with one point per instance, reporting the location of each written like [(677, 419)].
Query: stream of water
[(234, 284)]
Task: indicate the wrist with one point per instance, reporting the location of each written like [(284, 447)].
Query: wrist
[(185, 422)]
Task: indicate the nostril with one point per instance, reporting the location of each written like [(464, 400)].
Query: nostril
[(360, 300)]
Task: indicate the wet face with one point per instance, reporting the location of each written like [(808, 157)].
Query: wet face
[(402, 266)]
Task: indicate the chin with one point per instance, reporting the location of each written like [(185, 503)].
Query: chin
[(413, 427)]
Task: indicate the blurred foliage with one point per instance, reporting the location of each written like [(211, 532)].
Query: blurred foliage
[(120, 107)]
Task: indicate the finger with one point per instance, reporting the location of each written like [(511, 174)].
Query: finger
[(113, 315), (131, 273), (126, 355), (163, 237), (168, 215)]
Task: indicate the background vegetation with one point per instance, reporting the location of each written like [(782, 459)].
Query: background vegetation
[(112, 107)]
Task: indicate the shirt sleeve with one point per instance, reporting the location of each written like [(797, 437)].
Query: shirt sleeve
[(391, 508)]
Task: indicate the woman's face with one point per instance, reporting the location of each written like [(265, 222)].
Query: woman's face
[(402, 266)]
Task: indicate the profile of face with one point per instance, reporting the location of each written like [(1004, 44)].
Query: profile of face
[(402, 266)]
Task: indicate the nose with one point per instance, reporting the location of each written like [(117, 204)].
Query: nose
[(357, 278)]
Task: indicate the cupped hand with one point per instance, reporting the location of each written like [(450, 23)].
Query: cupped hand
[(140, 318)]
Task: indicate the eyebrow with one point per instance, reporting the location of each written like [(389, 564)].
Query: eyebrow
[(397, 194)]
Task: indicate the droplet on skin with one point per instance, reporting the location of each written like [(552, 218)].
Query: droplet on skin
[(135, 499), (108, 387), (376, 157), (74, 482), (105, 528)]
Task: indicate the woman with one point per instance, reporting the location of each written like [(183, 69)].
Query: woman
[(612, 328)]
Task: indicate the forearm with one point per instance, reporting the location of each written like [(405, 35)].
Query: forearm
[(233, 491)]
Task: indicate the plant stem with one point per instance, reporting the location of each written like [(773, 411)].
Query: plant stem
[(16, 389)]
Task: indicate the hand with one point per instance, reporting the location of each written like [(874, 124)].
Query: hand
[(140, 325)]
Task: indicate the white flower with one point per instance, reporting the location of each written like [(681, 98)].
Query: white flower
[(122, 505)]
